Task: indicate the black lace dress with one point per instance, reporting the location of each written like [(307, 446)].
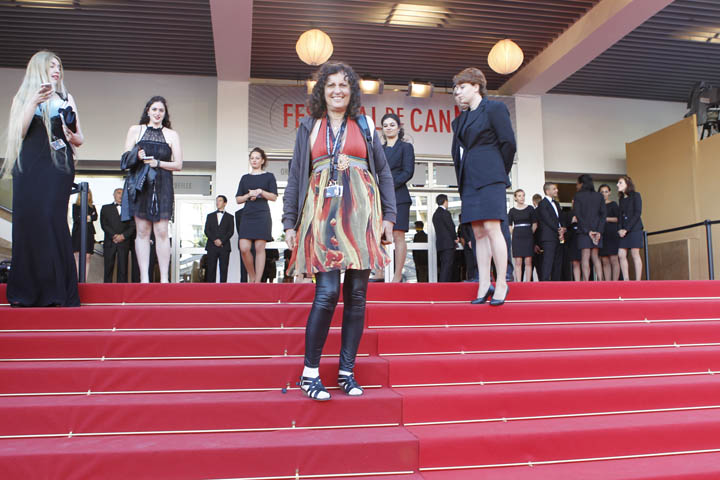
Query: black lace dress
[(155, 201)]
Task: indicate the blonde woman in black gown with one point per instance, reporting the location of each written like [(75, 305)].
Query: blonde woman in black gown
[(40, 156)]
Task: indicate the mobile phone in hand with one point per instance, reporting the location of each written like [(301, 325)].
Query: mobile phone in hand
[(148, 158), (46, 86)]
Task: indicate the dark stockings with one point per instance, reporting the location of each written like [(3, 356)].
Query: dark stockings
[(327, 292)]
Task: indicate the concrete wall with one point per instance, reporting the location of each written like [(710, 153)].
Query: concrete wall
[(588, 134)]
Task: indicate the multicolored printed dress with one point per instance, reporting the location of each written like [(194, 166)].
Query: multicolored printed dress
[(340, 233)]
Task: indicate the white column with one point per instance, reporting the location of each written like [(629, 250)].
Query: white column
[(531, 158), (232, 152)]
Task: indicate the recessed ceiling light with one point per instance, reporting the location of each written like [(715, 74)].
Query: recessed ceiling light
[(705, 35), (413, 15), (45, 3)]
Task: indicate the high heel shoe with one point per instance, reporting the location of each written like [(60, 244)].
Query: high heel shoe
[(496, 303), (483, 299)]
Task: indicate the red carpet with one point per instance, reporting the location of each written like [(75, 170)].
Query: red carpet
[(566, 381)]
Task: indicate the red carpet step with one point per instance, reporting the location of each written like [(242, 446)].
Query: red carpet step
[(191, 382), (227, 455)]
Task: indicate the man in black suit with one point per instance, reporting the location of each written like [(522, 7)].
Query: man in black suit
[(420, 257), (445, 238), (550, 233), (219, 230), (118, 238)]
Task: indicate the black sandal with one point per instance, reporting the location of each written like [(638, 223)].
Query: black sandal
[(312, 386), (347, 383)]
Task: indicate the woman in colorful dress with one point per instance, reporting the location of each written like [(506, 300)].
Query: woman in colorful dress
[(338, 209)]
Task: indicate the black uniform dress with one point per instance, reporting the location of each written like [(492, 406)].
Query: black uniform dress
[(630, 211), (156, 200), (90, 232), (256, 220), (611, 240), (401, 159), (523, 242), (43, 266)]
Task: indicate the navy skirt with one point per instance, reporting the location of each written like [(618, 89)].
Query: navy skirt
[(584, 241), (484, 203), (632, 240), (402, 222)]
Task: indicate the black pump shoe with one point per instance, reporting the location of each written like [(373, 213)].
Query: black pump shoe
[(483, 299), (496, 303)]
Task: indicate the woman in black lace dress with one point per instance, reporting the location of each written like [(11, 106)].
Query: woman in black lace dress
[(158, 148)]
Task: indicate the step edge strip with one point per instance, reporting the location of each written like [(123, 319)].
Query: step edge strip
[(572, 460), (544, 380)]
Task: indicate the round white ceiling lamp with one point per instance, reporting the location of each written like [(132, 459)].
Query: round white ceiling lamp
[(314, 47), (505, 57)]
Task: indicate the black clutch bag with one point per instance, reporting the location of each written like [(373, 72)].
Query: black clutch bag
[(69, 118)]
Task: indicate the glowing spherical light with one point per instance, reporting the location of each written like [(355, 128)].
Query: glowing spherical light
[(314, 47), (505, 57)]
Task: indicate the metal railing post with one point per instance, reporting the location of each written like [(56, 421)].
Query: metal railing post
[(83, 230), (711, 260), (647, 255)]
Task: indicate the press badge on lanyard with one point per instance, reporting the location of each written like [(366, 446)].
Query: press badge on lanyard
[(333, 189), (57, 144)]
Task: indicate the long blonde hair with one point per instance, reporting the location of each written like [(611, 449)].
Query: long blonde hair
[(78, 201), (35, 75)]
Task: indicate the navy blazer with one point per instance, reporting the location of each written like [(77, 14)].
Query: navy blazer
[(630, 211), (445, 233), (590, 211), (548, 221), (401, 159), (488, 144)]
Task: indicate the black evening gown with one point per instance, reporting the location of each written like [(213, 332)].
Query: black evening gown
[(43, 266)]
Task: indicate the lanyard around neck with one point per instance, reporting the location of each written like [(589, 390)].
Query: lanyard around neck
[(333, 145)]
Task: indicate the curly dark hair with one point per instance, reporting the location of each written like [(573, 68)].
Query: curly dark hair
[(316, 102), (145, 118), (401, 132)]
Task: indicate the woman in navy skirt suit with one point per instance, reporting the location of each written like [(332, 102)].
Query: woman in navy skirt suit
[(483, 150), (630, 228), (400, 156)]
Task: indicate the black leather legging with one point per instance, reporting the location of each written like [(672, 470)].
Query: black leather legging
[(327, 292)]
